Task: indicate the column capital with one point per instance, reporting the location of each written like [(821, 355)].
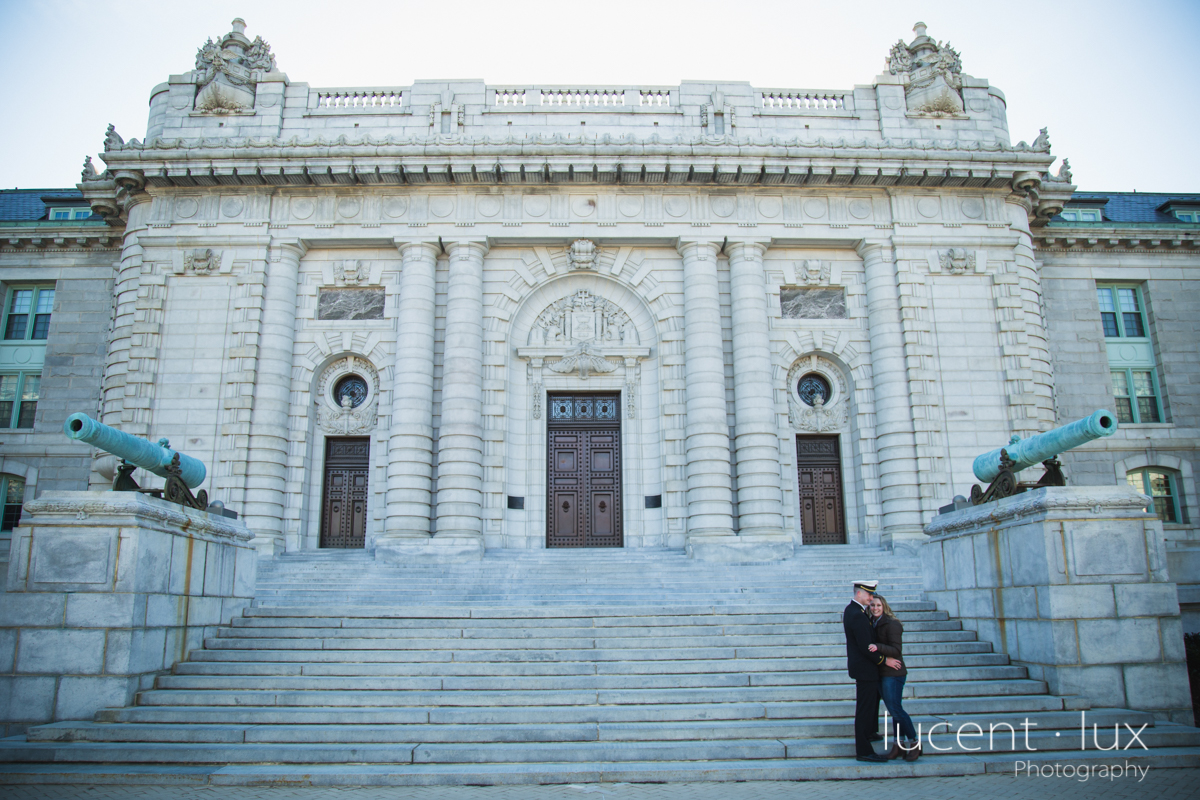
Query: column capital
[(747, 248), (466, 249), (416, 248), (874, 249), (296, 248), (702, 249)]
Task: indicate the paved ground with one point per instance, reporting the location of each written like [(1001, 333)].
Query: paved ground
[(1160, 784)]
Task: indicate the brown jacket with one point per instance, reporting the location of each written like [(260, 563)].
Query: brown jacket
[(889, 639)]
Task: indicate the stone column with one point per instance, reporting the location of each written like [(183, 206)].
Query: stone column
[(266, 467), (894, 436), (709, 483), (460, 437), (410, 443), (756, 438)]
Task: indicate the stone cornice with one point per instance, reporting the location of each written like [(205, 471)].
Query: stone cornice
[(1117, 237), (1065, 501), (58, 238), (116, 509)]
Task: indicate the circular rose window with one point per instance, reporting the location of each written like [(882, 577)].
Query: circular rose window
[(811, 387), (352, 387)]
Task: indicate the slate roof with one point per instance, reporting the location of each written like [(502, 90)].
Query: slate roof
[(1131, 206), (26, 205)]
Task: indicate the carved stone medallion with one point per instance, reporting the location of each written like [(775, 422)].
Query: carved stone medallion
[(353, 412)]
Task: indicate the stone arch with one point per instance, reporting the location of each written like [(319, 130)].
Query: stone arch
[(1181, 466), (849, 414), (635, 374)]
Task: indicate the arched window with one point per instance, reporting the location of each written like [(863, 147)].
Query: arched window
[(1164, 488), (12, 489)]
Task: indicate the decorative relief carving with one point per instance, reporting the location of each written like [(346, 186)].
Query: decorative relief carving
[(813, 272), (226, 74), (201, 261), (717, 117), (583, 254), (583, 359), (957, 260), (456, 115), (582, 317), (933, 71), (342, 417), (824, 414), (350, 273)]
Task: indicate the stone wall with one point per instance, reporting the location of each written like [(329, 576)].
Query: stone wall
[(106, 590), (1072, 583)]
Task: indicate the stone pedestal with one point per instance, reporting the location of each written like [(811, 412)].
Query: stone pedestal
[(106, 590), (1072, 583)]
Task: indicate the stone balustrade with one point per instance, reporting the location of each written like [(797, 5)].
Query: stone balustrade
[(812, 101), (364, 99)]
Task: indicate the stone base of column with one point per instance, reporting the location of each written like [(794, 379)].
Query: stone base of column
[(773, 546), (268, 546), (441, 549), (904, 539)]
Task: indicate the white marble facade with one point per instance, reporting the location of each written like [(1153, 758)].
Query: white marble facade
[(467, 249)]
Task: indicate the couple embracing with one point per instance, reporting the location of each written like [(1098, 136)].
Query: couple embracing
[(874, 656)]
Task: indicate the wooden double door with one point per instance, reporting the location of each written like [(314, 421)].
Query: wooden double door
[(822, 511), (583, 492), (344, 505)]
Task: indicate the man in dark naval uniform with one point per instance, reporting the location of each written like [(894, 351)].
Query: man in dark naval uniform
[(864, 669)]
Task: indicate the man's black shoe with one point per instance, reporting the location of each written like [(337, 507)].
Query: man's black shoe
[(875, 737), (874, 758)]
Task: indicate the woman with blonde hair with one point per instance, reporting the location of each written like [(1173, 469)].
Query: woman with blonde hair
[(889, 636)]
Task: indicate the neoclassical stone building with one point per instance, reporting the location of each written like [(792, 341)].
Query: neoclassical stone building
[(433, 319)]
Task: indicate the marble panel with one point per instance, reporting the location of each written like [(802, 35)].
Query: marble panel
[(813, 303), (350, 304)]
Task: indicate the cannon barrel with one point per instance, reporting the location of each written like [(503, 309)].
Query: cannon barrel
[(135, 450), (1044, 446)]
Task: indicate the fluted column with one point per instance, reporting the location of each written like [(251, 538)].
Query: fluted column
[(756, 439), (410, 440), (895, 440), (709, 490), (460, 436), (266, 467)]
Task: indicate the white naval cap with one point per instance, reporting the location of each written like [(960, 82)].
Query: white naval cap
[(866, 586)]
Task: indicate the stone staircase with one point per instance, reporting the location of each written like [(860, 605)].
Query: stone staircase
[(567, 666)]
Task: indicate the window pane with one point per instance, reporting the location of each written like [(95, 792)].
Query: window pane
[(41, 327), (1143, 384), (22, 301), (1128, 299), (1106, 300), (1133, 324), (1147, 410), (1124, 410), (1161, 491), (1119, 386), (15, 329), (15, 491), (12, 516), (25, 418), (30, 390), (8, 387), (1137, 481), (1070, 216), (1110, 323), (45, 302)]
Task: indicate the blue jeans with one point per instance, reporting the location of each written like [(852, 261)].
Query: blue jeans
[(891, 688)]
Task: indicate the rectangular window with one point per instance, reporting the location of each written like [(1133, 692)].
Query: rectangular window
[(1187, 216), (1081, 215), (1121, 311), (27, 315), (70, 213), (12, 489), (18, 399), (1136, 396)]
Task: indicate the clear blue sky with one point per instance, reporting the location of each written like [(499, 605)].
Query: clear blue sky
[(1116, 83)]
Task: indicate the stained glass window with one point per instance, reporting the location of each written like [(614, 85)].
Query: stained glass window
[(811, 387)]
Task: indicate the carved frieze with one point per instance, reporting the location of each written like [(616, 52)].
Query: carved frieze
[(584, 360)]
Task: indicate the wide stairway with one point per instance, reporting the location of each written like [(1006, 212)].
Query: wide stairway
[(567, 667)]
